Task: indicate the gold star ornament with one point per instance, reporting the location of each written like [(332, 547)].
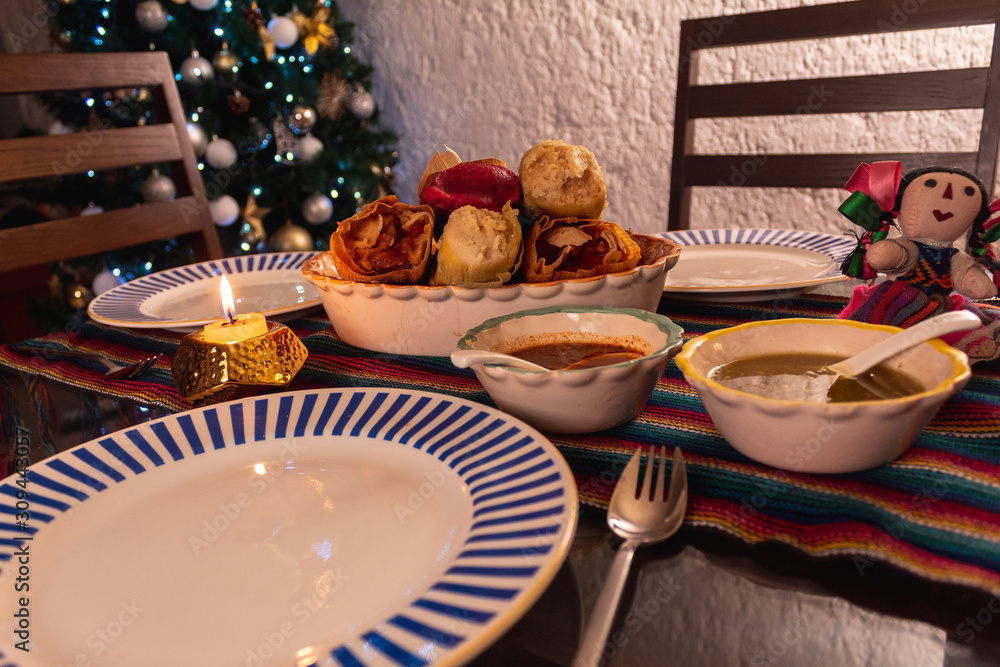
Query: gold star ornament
[(254, 216)]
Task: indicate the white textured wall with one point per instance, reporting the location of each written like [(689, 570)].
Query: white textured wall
[(491, 78)]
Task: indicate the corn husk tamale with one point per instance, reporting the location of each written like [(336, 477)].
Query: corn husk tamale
[(386, 242), (479, 248), (567, 248)]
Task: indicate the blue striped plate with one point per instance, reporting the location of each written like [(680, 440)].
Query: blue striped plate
[(323, 527), (752, 264), (188, 297)]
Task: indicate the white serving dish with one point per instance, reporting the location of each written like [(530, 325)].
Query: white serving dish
[(428, 320), (811, 436), (583, 400)]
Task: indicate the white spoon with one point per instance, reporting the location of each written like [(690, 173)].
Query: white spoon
[(939, 325), (814, 385), (467, 358)]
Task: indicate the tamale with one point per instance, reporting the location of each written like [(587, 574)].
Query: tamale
[(478, 248), (386, 242), (568, 248)]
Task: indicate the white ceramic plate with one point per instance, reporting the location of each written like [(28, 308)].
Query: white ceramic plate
[(330, 527), (187, 297), (754, 264)]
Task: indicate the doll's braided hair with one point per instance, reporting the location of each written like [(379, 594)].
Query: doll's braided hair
[(978, 247)]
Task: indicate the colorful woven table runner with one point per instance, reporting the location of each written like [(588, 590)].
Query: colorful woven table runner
[(934, 512)]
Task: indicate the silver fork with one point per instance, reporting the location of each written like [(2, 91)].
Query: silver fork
[(114, 369), (639, 518)]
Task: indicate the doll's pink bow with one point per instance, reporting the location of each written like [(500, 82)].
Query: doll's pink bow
[(878, 180)]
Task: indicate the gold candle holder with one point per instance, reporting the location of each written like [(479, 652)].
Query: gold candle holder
[(203, 368)]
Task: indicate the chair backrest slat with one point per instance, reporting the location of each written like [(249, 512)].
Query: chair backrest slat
[(100, 149), (911, 91)]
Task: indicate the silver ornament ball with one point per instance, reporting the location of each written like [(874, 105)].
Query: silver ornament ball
[(158, 188), (361, 103), (196, 69), (317, 209), (151, 16)]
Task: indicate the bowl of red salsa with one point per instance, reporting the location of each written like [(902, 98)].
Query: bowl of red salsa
[(601, 364)]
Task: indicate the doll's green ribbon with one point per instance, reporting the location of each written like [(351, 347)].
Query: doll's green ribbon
[(863, 211)]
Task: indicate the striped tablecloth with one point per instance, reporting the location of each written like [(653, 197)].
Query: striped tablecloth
[(934, 512)]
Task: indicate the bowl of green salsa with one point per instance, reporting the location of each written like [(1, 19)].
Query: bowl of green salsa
[(758, 384)]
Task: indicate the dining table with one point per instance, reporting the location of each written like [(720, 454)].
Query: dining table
[(896, 565)]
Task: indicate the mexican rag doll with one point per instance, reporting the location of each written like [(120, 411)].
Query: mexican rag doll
[(933, 207)]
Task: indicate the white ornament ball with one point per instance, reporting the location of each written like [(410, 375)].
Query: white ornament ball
[(151, 16), (104, 281), (317, 209), (224, 210), (220, 153), (196, 69), (309, 146), (283, 31), (58, 127), (158, 188), (199, 140), (203, 5)]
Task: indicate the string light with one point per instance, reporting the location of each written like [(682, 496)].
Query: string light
[(334, 194)]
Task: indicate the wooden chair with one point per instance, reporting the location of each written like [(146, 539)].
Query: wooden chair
[(100, 149), (970, 88)]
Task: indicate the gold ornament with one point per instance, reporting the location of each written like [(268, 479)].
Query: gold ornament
[(225, 63), (291, 238), (315, 30), (254, 216), (78, 295), (333, 90)]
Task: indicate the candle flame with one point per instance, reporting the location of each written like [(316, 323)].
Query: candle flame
[(228, 304)]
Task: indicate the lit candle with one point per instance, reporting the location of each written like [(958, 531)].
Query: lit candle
[(235, 327)]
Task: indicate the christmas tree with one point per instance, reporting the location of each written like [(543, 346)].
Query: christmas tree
[(280, 116)]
